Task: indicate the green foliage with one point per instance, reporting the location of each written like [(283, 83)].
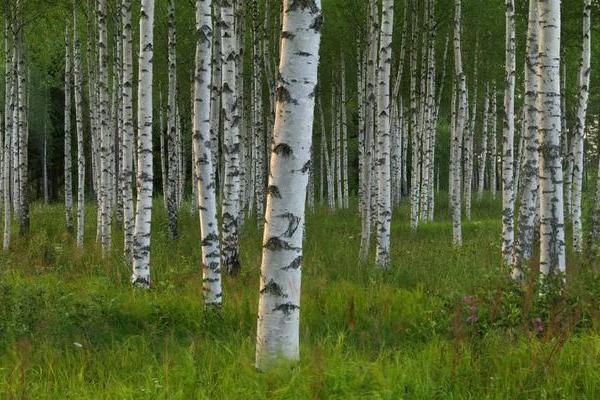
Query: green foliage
[(442, 323)]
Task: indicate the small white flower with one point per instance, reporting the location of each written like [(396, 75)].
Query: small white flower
[(77, 344)]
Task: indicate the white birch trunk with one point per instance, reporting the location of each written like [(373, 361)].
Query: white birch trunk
[(127, 142), (172, 167), (384, 207), (367, 211), (143, 218), (552, 234), (414, 127), (530, 167), (579, 136), (469, 138), (9, 86), (279, 302), (23, 137), (508, 138), (458, 132), (344, 151), (232, 185), (484, 144), (67, 133), (163, 150), (78, 88), (105, 142), (259, 134), (201, 139), (493, 144)]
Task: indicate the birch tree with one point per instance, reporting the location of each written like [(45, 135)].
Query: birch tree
[(578, 137), (259, 146), (105, 143), (67, 148), (9, 87), (279, 301), (172, 165), (457, 134), (384, 209), (530, 167), (508, 138), (484, 143), (23, 137), (367, 179), (469, 138), (127, 141), (145, 175), (493, 141), (232, 185), (78, 89), (204, 172), (552, 234)]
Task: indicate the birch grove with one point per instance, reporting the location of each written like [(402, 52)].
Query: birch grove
[(377, 140)]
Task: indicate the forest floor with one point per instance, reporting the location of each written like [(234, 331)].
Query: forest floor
[(442, 323)]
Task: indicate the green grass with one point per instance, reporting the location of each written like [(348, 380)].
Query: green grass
[(71, 327)]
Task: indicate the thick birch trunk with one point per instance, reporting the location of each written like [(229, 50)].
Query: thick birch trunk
[(231, 194), (279, 303), (384, 206), (530, 167), (552, 234), (127, 142), (207, 204), (458, 132), (143, 218)]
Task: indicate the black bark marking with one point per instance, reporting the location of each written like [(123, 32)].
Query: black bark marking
[(283, 149), (293, 223), (274, 191), (276, 244), (273, 288), (294, 264), (283, 95), (304, 4), (287, 308)]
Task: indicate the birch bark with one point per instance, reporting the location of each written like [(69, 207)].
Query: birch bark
[(279, 302), (143, 218)]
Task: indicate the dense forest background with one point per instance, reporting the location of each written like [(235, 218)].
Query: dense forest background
[(345, 26)]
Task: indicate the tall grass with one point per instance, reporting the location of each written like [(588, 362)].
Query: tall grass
[(442, 323)]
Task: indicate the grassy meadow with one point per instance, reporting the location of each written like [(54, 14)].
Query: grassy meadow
[(442, 323)]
